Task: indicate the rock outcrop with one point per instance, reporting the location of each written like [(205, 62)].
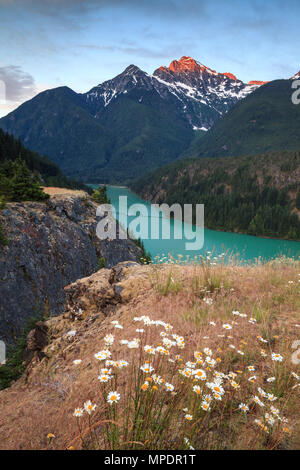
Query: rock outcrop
[(37, 340), (51, 245), (64, 374)]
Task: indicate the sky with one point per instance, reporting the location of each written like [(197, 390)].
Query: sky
[(81, 43)]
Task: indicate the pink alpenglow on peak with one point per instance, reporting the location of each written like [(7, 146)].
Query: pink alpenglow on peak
[(186, 64), (230, 75), (257, 82)]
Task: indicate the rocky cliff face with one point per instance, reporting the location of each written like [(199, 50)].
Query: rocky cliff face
[(199, 94), (62, 372), (205, 94), (50, 245)]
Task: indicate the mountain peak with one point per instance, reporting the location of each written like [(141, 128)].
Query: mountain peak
[(257, 82), (297, 75), (230, 75), (188, 64), (185, 64), (132, 69)]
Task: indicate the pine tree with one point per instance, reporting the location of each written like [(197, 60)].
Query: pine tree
[(100, 195), (18, 184)]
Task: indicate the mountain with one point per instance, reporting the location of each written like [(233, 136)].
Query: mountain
[(126, 126), (258, 195), (205, 94), (265, 121), (200, 94), (11, 149)]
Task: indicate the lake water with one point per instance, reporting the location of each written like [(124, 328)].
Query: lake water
[(245, 247)]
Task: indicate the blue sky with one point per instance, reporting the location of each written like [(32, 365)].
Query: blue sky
[(80, 43)]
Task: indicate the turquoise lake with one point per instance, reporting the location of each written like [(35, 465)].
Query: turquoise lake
[(246, 248)]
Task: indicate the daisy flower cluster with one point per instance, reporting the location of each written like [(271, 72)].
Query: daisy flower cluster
[(159, 384)]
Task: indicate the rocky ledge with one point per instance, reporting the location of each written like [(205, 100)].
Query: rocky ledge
[(51, 245)]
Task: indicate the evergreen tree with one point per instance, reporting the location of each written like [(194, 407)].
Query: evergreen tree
[(18, 184), (99, 195), (239, 194)]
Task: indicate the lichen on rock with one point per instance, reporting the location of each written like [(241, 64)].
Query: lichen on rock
[(51, 245)]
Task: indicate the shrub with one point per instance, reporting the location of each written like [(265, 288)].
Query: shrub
[(145, 257), (99, 195), (101, 262), (18, 184), (14, 368)]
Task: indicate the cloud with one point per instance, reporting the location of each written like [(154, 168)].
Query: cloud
[(143, 52), (19, 85), (171, 8)]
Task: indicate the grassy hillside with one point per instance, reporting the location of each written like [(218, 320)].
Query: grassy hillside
[(258, 195), (264, 121), (219, 326)]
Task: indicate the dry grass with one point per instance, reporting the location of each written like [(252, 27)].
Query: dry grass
[(52, 191), (189, 298)]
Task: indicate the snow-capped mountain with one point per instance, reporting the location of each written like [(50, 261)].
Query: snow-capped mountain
[(201, 94), (131, 124), (198, 87), (132, 78)]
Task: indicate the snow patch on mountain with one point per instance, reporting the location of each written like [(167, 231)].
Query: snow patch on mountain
[(202, 94)]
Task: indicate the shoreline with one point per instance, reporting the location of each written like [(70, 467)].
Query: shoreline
[(257, 237)]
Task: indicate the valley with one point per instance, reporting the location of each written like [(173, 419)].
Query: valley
[(258, 195), (128, 125), (149, 228), (231, 248)]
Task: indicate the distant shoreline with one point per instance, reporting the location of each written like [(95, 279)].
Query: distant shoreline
[(107, 184)]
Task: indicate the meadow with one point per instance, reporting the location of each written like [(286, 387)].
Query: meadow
[(198, 356)]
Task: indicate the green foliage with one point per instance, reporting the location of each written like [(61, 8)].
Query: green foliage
[(18, 184), (101, 262), (13, 368), (145, 257), (11, 149), (99, 195), (265, 121), (136, 134), (234, 192), (120, 142)]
